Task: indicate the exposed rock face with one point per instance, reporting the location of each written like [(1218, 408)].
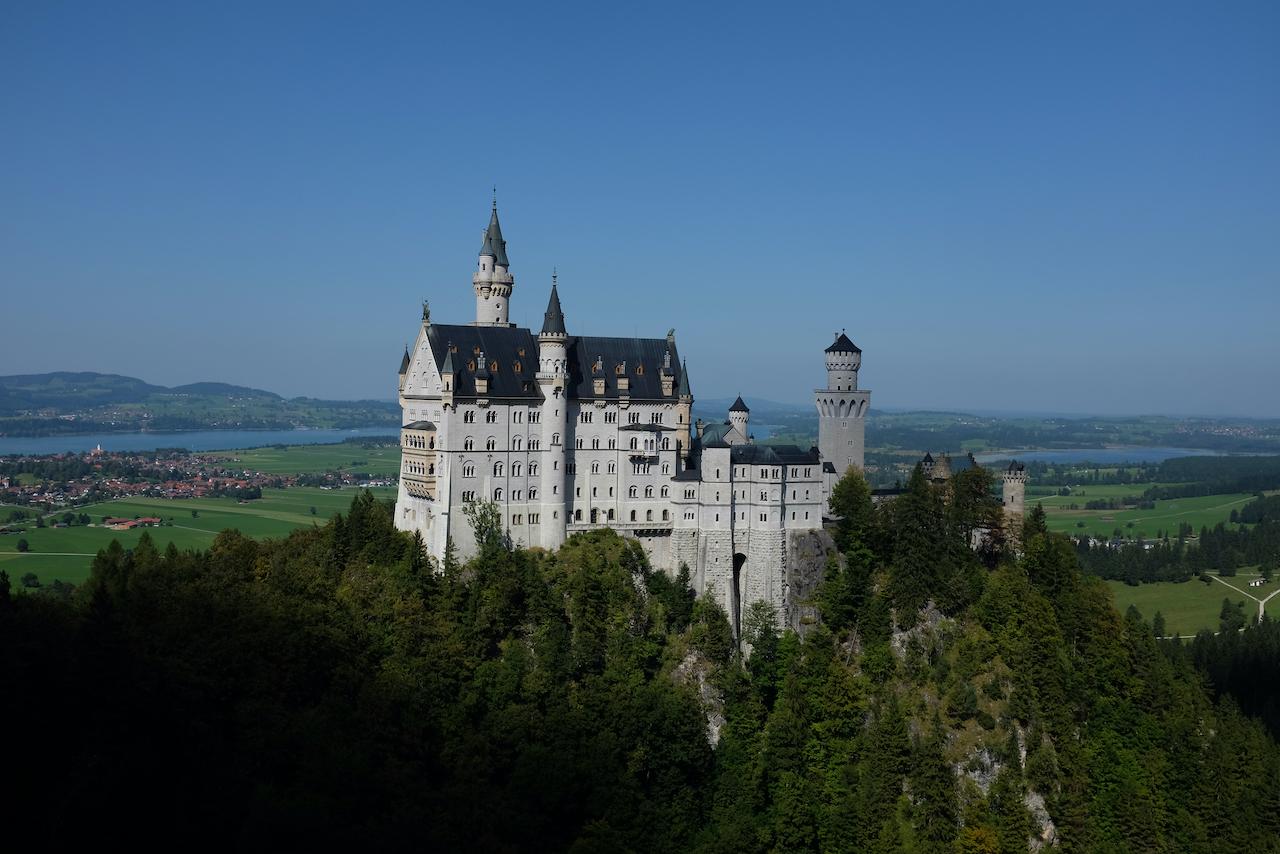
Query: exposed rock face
[(695, 670), (806, 564), (925, 629), (1047, 833)]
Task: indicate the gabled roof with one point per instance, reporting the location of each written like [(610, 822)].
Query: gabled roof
[(843, 345), (739, 406), (502, 347), (641, 357)]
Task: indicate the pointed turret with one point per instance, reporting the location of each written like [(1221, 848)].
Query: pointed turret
[(404, 362), (493, 245), (683, 388), (553, 320), (739, 406)]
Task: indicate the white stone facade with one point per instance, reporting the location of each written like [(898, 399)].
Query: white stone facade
[(566, 433)]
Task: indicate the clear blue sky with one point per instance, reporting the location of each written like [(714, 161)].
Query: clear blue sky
[(1022, 206)]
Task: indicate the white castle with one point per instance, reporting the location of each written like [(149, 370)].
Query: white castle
[(567, 433)]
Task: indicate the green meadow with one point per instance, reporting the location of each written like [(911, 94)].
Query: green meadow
[(1203, 511), (1190, 606), (314, 459), (66, 553)]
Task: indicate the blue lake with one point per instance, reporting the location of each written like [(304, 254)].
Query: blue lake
[(195, 440), (1099, 455)]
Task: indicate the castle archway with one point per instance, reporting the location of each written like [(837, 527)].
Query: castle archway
[(735, 594)]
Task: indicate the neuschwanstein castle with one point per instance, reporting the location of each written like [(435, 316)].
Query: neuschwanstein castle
[(567, 432)]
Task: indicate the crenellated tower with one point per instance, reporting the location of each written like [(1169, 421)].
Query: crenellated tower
[(1013, 492), (553, 380), (492, 280), (842, 412)]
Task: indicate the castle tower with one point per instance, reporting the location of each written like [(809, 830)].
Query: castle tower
[(1013, 491), (842, 412), (492, 280), (739, 415), (553, 378), (684, 413)]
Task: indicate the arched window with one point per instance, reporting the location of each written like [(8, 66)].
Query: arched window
[(555, 438), (633, 492), (577, 515), (497, 469), (515, 469), (533, 469), (468, 444), (490, 444), (634, 443), (433, 443), (595, 468), (469, 470), (491, 417), (613, 443), (666, 443), (610, 514), (533, 493), (613, 467), (666, 515), (431, 469), (579, 443), (516, 443), (648, 492), (665, 492), (497, 494), (648, 515), (469, 417), (633, 515)]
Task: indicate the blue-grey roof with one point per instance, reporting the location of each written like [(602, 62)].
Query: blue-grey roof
[(419, 425), (507, 347), (683, 388), (553, 320), (843, 345), (493, 245), (739, 406), (404, 363)]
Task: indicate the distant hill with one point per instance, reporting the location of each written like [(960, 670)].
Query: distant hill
[(88, 402)]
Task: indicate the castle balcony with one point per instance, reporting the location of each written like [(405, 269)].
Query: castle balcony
[(649, 529), (420, 487)]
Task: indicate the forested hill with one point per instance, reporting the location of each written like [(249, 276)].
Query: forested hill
[(330, 689), (87, 402)]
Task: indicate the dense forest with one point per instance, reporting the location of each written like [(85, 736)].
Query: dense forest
[(338, 688)]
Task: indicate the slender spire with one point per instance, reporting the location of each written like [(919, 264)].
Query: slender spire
[(404, 363), (553, 322), (494, 246), (739, 406), (683, 388), (447, 367)]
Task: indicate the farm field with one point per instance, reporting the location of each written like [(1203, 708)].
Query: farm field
[(1203, 511), (66, 553), (308, 459), (1191, 606), (1094, 492)]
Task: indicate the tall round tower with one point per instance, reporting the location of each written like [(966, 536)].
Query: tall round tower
[(842, 412), (739, 416), (492, 280), (553, 378), (1013, 491)]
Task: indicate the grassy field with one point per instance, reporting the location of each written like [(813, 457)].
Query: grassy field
[(65, 553), (306, 459), (1190, 606), (1204, 511)]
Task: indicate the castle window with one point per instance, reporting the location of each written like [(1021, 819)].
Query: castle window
[(533, 469), (516, 443), (497, 469), (633, 515), (648, 515), (468, 444), (666, 443), (490, 444), (469, 470), (610, 514), (634, 443), (579, 443), (595, 492), (516, 495), (665, 492), (634, 492), (497, 494), (595, 444), (491, 417), (613, 467), (648, 492), (571, 468), (533, 494), (555, 438), (471, 365), (613, 444), (469, 417), (595, 468), (535, 417), (493, 366), (517, 367), (469, 495), (577, 515), (515, 469), (640, 370), (535, 444), (666, 515), (611, 492)]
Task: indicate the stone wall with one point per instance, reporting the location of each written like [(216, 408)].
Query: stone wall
[(806, 566)]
